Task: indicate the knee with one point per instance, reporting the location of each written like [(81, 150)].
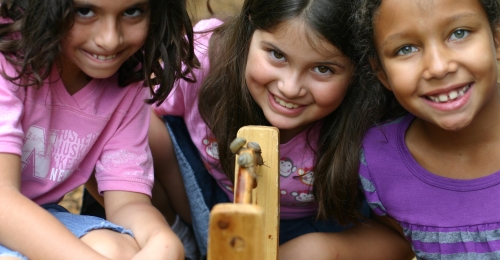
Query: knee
[(111, 244)]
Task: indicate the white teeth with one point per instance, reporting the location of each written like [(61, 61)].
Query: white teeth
[(285, 104), (102, 57), (443, 98), (452, 95)]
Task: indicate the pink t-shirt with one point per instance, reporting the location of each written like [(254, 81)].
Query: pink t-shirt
[(296, 157), (62, 138)]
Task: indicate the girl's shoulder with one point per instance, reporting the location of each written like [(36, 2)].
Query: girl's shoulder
[(390, 129), (203, 31)]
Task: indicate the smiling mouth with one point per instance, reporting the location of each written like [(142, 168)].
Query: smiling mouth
[(285, 104), (450, 96), (102, 57)]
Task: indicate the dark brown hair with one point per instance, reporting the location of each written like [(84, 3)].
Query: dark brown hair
[(226, 105), (42, 25)]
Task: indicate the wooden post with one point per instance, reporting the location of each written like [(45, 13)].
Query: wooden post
[(250, 231), (236, 232)]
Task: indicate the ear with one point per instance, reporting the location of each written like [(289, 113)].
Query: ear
[(381, 75)]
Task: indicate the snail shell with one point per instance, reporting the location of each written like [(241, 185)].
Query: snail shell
[(236, 144), (246, 160), (254, 146)]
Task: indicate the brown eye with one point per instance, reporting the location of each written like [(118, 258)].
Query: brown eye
[(84, 12), (323, 69), (277, 55)]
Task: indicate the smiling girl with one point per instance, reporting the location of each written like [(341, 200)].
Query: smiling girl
[(282, 63), (433, 174), (72, 98)]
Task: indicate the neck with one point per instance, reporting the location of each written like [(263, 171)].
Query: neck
[(73, 78), (484, 128)]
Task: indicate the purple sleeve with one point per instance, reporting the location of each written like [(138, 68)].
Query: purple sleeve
[(369, 188)]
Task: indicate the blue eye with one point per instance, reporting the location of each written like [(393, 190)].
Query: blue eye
[(85, 12), (459, 34), (134, 12), (405, 50), (277, 55)]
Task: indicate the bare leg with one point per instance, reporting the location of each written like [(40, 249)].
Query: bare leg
[(169, 191)]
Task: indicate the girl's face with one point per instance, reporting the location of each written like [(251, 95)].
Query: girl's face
[(295, 77), (105, 34), (438, 57)]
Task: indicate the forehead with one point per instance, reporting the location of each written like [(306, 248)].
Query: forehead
[(396, 18), (295, 33)]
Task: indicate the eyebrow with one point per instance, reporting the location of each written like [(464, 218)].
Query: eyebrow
[(319, 63), (446, 21)]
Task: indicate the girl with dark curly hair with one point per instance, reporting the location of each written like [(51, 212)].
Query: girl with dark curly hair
[(433, 174), (75, 78)]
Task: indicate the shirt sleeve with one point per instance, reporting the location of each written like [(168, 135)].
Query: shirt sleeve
[(126, 163), (184, 95), (11, 110), (369, 188)]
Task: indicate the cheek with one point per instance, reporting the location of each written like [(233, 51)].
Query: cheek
[(137, 34), (332, 95)]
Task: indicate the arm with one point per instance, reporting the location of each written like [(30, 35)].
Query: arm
[(168, 179), (26, 227), (135, 212), (222, 9), (369, 240)]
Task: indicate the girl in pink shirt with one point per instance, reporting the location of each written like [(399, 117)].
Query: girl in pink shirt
[(72, 97), (288, 64)]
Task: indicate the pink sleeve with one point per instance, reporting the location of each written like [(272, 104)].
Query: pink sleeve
[(126, 163), (11, 111), (184, 94)]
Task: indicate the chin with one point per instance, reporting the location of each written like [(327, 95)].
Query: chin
[(454, 126)]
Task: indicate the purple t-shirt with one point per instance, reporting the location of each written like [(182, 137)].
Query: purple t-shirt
[(443, 218), (296, 156)]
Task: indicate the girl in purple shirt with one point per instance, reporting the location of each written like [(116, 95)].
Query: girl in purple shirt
[(433, 175)]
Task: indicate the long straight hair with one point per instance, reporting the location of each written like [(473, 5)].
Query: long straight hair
[(226, 104)]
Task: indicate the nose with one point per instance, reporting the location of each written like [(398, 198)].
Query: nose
[(438, 62), (291, 85), (108, 35)]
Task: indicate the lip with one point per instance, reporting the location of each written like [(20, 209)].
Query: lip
[(451, 105), (284, 110)]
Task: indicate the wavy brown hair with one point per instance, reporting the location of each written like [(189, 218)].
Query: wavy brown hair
[(32, 43), (226, 105)]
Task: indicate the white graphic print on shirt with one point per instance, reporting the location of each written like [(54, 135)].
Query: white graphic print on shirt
[(56, 152)]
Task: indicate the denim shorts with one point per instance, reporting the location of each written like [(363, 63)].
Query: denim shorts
[(203, 192), (79, 225)]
